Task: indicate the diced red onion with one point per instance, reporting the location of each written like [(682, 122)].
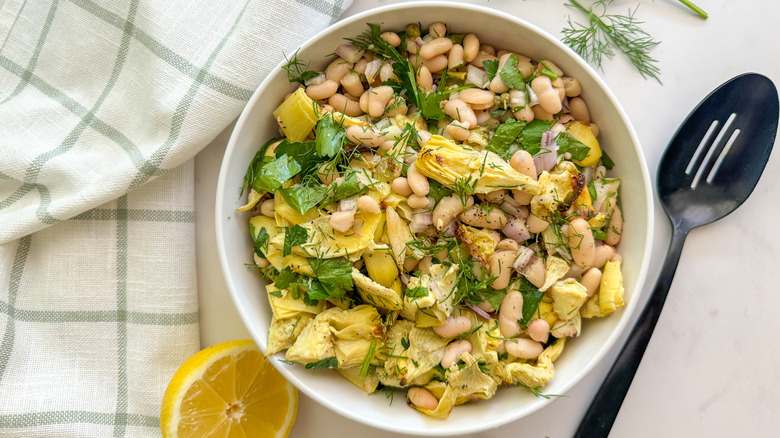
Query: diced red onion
[(516, 230), (524, 255), (565, 104), (317, 79), (533, 99), (372, 68), (476, 76), (547, 160), (481, 313), (420, 222), (449, 229), (349, 52)]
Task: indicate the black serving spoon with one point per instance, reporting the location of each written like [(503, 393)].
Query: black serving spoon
[(709, 169)]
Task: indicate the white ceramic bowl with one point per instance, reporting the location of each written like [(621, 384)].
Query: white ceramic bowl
[(256, 125)]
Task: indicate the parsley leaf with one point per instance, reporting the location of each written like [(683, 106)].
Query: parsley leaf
[(431, 108), (275, 173), (303, 198), (256, 165), (503, 139), (350, 187), (491, 67), (531, 137), (330, 137), (303, 152), (334, 274), (293, 236), (606, 161), (317, 291), (261, 240), (512, 77), (438, 190), (285, 277), (567, 143), (417, 292), (531, 299), (328, 362), (406, 83)]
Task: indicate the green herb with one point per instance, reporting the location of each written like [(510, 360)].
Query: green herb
[(328, 362), (606, 33), (304, 153), (567, 143), (350, 187), (592, 189), (531, 299), (599, 235), (367, 360), (276, 293), (431, 106), (498, 112), (261, 241), (465, 187), (491, 67), (256, 165), (548, 71), (531, 137), (372, 40), (334, 274), (606, 161), (293, 236), (503, 139), (417, 292), (330, 137), (494, 296), (316, 291), (405, 343), (438, 190), (537, 391), (512, 77), (285, 278), (297, 71), (275, 173), (303, 198)]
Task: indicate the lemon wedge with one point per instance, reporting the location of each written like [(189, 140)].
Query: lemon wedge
[(228, 390)]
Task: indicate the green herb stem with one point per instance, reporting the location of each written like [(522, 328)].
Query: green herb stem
[(701, 12)]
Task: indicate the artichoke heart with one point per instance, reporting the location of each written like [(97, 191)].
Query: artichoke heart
[(446, 162), (297, 116), (374, 293), (537, 375), (325, 242)]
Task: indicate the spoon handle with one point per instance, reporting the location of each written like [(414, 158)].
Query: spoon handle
[(604, 409)]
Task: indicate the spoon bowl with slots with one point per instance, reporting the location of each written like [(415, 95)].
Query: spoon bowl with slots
[(710, 167)]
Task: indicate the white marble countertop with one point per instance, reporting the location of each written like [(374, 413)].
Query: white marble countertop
[(710, 368)]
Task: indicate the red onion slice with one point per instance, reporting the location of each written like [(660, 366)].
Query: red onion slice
[(481, 313), (547, 160), (524, 255)]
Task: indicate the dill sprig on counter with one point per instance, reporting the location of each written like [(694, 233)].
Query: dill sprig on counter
[(607, 33)]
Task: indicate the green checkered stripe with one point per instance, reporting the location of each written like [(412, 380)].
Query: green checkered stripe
[(98, 306)]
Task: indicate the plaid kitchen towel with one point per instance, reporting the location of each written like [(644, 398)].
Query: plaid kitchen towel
[(103, 104)]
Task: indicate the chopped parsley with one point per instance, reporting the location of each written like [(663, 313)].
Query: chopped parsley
[(293, 236), (328, 362)]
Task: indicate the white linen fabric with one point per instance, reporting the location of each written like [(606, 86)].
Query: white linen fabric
[(103, 104)]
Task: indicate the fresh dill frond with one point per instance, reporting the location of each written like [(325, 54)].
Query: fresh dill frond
[(297, 70), (607, 33)]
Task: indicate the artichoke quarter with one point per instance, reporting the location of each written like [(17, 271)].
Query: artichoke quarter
[(446, 162)]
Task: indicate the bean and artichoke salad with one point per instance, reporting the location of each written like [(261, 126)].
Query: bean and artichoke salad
[(434, 216)]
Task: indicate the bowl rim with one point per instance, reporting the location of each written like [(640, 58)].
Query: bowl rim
[(609, 343)]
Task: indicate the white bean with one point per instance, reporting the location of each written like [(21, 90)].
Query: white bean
[(349, 52), (368, 204), (417, 181), (337, 69), (524, 348), (460, 111), (322, 91), (455, 58), (501, 266), (343, 104), (477, 216), (615, 227), (422, 398), (509, 313), (453, 352), (392, 38), (470, 47), (416, 201), (571, 86), (523, 162), (476, 96), (579, 109), (539, 330), (268, 208), (535, 224), (535, 271), (591, 279), (365, 135), (400, 185), (457, 130), (378, 99), (435, 47), (342, 221), (453, 326), (424, 78), (602, 254), (446, 210), (581, 242), (352, 84), (549, 98)]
